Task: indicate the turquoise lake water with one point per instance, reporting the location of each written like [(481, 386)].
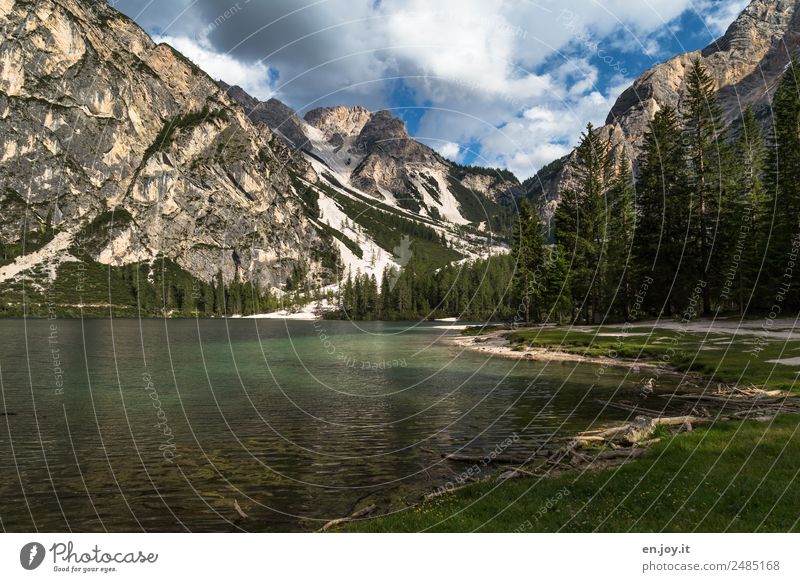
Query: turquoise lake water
[(153, 425)]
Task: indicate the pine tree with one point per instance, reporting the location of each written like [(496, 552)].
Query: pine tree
[(556, 292), (528, 253), (703, 130), (219, 296), (783, 186), (748, 209), (621, 224), (581, 223), (662, 215)]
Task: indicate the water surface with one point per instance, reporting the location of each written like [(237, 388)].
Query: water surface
[(129, 425)]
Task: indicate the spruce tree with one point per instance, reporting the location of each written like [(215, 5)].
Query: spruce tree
[(783, 187), (703, 130), (748, 209), (556, 291), (662, 215), (621, 222), (528, 256), (581, 223)]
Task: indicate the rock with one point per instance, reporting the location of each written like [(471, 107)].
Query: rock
[(98, 119), (639, 430), (338, 123)]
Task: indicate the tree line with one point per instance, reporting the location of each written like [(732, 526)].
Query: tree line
[(709, 223)]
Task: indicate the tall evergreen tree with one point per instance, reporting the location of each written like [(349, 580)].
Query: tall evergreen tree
[(783, 187), (747, 209), (621, 223), (528, 253), (662, 214), (705, 143), (581, 223)]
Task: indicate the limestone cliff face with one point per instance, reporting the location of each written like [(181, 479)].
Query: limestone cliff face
[(338, 123), (96, 120), (746, 64)]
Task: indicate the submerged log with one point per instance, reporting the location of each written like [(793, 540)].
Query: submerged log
[(238, 509), (628, 407)]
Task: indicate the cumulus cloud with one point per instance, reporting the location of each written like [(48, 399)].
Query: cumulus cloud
[(519, 79), (717, 16), (450, 150)]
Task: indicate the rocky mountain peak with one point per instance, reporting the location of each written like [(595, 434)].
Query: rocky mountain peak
[(273, 113), (338, 121), (387, 135)]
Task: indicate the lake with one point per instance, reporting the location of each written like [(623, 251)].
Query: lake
[(126, 425)]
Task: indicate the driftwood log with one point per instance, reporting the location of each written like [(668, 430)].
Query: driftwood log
[(238, 509), (360, 514)]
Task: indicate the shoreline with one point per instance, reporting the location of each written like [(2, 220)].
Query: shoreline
[(496, 344), (607, 446)]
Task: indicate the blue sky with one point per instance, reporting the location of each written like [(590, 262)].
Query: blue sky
[(507, 83)]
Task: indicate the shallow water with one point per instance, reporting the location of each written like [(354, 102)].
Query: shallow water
[(125, 425)]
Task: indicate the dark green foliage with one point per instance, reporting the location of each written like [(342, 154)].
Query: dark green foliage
[(662, 225), (782, 219), (706, 153), (33, 233), (621, 222), (535, 186), (478, 290), (388, 227), (157, 289), (459, 172), (477, 208), (529, 255), (746, 212), (581, 225)]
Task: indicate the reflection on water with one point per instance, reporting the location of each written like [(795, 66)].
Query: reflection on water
[(154, 425)]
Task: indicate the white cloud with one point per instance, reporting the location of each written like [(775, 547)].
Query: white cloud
[(252, 77), (718, 15), (476, 64), (450, 150)]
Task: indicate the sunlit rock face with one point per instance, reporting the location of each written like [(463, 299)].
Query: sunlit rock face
[(97, 122)]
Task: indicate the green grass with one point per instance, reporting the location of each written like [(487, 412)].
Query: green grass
[(745, 360), (740, 477)]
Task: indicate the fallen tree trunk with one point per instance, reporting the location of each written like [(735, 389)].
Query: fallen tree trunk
[(238, 509), (361, 513)]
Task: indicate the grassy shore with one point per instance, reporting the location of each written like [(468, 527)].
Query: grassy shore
[(742, 359), (735, 476), (731, 476)]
